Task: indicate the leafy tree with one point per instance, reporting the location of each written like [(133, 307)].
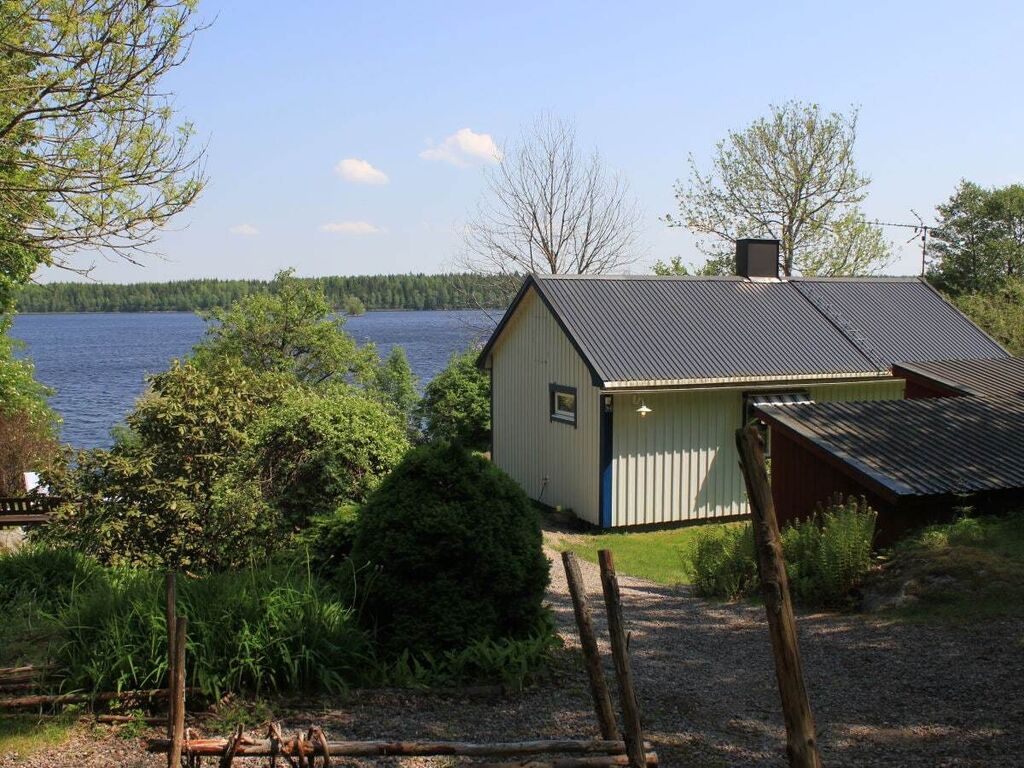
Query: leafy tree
[(456, 405), (354, 306), (287, 330), (999, 312), (789, 176), (459, 551), (91, 153), (979, 242), (317, 450), (676, 268), (395, 383)]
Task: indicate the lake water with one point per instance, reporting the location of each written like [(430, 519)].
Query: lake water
[(96, 362)]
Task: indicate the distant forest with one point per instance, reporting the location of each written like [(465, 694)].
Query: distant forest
[(449, 291)]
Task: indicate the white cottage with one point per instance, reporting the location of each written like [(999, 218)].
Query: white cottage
[(617, 397)]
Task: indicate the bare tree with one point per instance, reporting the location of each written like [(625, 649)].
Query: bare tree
[(551, 208)]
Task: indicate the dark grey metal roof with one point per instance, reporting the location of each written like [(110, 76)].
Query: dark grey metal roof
[(926, 447), (994, 377), (662, 331), (897, 320)]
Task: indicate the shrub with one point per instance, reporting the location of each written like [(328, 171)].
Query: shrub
[(456, 404), (329, 538), (459, 552), (319, 450), (724, 564)]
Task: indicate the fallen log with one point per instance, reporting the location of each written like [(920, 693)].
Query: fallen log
[(121, 719), (267, 748), (56, 700), (11, 675), (600, 761)]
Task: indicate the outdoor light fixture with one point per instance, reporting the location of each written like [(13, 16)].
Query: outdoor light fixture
[(643, 410)]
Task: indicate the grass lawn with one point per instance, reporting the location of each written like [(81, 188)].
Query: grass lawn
[(968, 570), (659, 556), (21, 735)]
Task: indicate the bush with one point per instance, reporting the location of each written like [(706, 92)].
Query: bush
[(826, 556), (319, 450), (456, 404), (459, 552), (329, 538)]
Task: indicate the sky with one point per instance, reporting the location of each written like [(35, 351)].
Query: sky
[(354, 138)]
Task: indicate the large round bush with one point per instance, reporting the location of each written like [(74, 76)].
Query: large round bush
[(319, 450), (457, 550)]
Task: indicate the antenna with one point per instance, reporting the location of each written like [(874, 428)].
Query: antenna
[(920, 229)]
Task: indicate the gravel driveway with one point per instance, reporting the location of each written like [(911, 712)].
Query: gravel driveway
[(882, 693)]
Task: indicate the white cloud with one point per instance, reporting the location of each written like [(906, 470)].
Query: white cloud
[(245, 230), (463, 148), (351, 228), (360, 172)]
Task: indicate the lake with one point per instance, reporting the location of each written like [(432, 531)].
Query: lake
[(96, 362)]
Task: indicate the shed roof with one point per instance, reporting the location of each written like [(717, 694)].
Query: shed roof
[(994, 377), (925, 447), (687, 331)]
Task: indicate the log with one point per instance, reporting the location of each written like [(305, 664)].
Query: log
[(591, 655), (178, 701), (575, 762), (801, 737), (25, 702), (13, 675), (264, 748), (634, 734), (120, 719)]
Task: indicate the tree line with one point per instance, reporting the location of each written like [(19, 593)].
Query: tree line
[(412, 291)]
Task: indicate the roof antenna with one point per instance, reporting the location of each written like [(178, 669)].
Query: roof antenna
[(920, 230)]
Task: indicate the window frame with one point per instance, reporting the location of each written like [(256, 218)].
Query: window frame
[(554, 413)]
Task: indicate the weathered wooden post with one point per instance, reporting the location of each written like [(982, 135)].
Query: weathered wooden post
[(634, 735), (171, 595), (178, 692), (801, 737), (591, 655)]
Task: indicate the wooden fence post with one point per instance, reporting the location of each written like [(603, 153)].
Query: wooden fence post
[(178, 692), (801, 737), (170, 593), (634, 735), (591, 655)]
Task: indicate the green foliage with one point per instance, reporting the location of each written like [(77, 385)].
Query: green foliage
[(318, 449), (789, 176), (329, 538), (827, 556), (167, 496), (448, 291), (1000, 313), (353, 305), (46, 577), (720, 265), (456, 404), (724, 565), (459, 552), (979, 242), (262, 630), (288, 330), (394, 382)]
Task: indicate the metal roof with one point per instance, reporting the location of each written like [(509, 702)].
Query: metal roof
[(925, 447), (994, 378), (685, 331)]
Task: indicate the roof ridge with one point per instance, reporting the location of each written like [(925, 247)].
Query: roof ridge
[(835, 317)]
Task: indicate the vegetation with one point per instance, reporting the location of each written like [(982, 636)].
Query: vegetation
[(448, 291), (456, 405), (22, 735), (789, 176), (395, 383), (458, 552), (660, 556), (1000, 313), (827, 556), (353, 305), (968, 570), (978, 245)]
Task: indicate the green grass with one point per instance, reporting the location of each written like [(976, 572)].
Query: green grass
[(659, 556), (22, 735), (965, 571)]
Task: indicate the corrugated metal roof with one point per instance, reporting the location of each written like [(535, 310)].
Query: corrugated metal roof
[(996, 377), (925, 447), (679, 331), (896, 320)]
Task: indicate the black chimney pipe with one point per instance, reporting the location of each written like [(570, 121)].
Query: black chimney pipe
[(757, 258)]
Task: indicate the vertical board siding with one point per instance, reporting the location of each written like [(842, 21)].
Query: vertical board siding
[(679, 463), (554, 463)]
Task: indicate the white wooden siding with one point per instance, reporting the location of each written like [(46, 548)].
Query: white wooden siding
[(553, 462), (679, 463)]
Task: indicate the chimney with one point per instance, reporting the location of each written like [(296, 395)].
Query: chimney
[(757, 258)]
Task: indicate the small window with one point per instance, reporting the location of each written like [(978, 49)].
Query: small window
[(563, 404)]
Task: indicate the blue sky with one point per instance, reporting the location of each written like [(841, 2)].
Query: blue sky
[(284, 92)]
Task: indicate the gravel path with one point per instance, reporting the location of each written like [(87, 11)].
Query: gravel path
[(882, 693)]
